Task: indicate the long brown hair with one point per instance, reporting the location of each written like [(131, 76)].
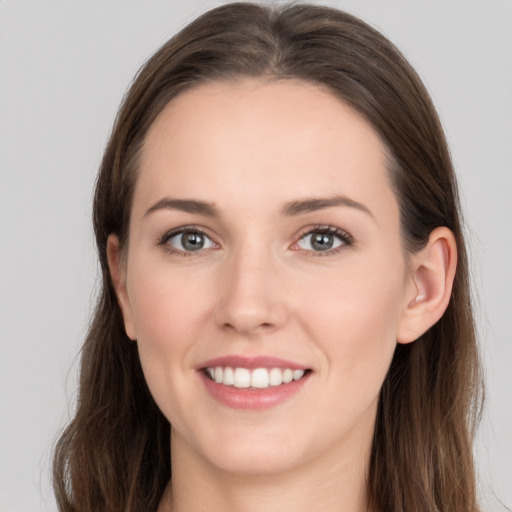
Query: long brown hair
[(114, 456)]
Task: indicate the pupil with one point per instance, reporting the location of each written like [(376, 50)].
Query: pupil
[(322, 241), (192, 241)]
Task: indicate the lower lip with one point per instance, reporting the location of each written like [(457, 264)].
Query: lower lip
[(250, 398)]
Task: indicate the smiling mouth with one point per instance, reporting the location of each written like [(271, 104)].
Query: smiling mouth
[(257, 378)]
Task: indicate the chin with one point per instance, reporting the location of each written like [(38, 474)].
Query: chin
[(258, 460), (254, 453)]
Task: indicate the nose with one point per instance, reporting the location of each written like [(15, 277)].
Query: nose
[(253, 298)]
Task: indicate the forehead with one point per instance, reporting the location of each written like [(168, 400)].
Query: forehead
[(251, 140)]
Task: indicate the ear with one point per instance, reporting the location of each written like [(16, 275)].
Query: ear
[(432, 274), (118, 274)]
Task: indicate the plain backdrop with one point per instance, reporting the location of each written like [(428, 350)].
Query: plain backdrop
[(64, 66)]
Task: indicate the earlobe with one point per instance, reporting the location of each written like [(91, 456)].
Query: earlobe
[(117, 273), (432, 274)]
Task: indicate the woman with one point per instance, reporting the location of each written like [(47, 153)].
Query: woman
[(285, 318)]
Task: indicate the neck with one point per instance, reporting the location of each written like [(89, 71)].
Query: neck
[(332, 483)]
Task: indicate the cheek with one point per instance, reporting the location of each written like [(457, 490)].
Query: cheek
[(351, 321), (167, 303), (354, 320), (168, 310)]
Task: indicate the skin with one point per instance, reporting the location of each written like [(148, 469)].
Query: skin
[(249, 148)]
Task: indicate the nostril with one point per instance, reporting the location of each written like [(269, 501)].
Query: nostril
[(249, 315), (263, 326)]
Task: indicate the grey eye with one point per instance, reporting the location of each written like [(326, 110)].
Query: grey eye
[(320, 241), (190, 241)]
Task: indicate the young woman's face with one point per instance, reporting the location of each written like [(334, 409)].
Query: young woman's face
[(264, 246)]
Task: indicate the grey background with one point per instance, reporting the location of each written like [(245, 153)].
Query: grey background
[(64, 67)]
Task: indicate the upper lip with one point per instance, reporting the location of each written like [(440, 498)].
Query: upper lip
[(237, 361)]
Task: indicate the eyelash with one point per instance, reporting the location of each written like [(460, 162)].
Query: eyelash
[(162, 242), (346, 239)]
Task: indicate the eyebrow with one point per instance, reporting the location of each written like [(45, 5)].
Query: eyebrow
[(185, 205), (290, 209), (313, 204)]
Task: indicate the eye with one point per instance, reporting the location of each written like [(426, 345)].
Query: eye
[(187, 240), (324, 239)]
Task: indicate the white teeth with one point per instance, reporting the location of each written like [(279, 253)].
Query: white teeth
[(287, 375), (229, 377), (276, 377), (242, 378), (297, 374), (259, 378)]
